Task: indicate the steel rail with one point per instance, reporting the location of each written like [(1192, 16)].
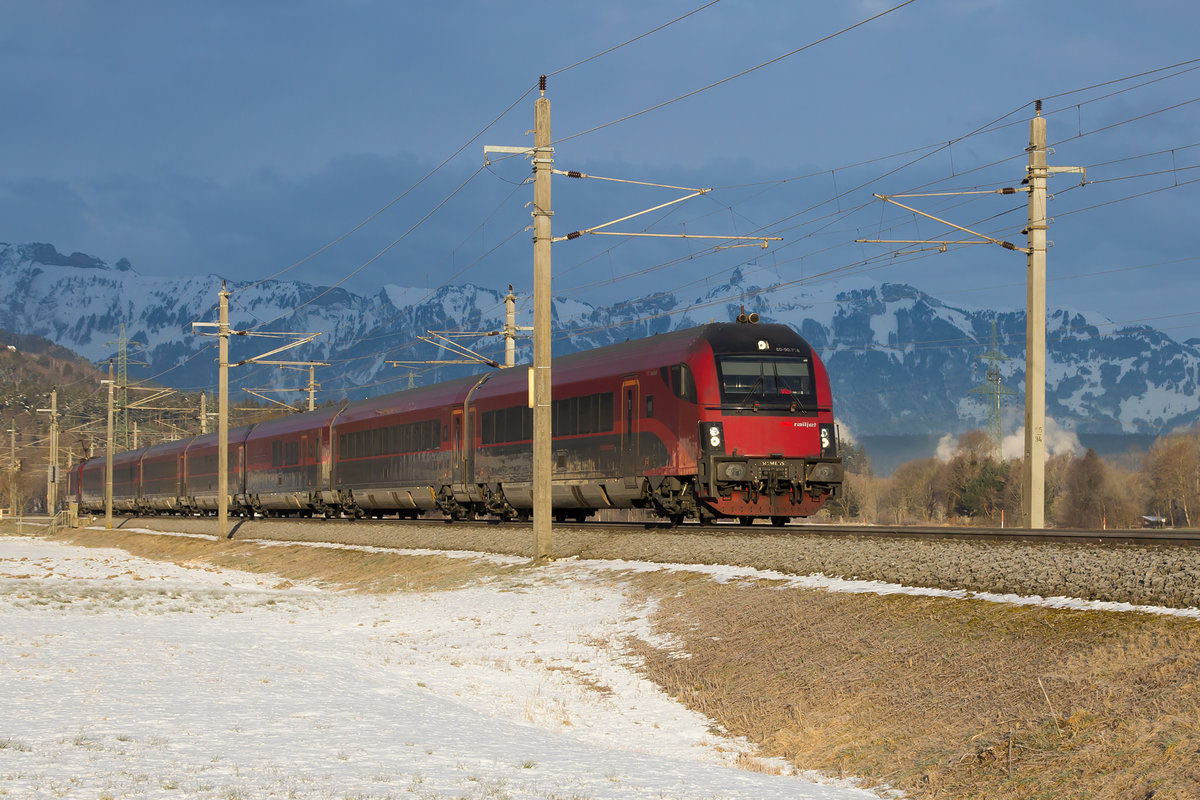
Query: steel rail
[(1173, 537)]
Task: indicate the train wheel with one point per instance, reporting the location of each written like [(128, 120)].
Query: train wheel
[(676, 520), (745, 520), (779, 522)]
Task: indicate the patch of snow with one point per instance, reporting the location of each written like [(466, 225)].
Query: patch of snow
[(123, 677), (405, 296), (885, 327)]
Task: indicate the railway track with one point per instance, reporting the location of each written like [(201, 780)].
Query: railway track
[(1168, 537), (1142, 568)]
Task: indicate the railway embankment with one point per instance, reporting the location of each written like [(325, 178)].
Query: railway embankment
[(1153, 575)]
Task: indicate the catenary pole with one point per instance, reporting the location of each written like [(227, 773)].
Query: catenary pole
[(52, 473), (224, 499), (223, 415), (1034, 496), (539, 376), (108, 456), (543, 162), (52, 458), (12, 468), (1035, 330)]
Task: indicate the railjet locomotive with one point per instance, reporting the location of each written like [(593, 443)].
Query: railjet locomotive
[(725, 420)]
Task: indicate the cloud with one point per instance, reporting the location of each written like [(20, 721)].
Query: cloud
[(169, 222), (1058, 440), (947, 446)]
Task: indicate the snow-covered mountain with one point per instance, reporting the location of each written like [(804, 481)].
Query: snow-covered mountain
[(901, 361)]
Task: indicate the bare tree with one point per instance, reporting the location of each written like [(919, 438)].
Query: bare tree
[(911, 490), (1172, 470)]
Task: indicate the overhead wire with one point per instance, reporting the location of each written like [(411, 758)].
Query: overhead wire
[(735, 76), (451, 157), (381, 253), (814, 277), (992, 125), (442, 164), (838, 195), (399, 197), (1135, 76), (639, 37), (764, 64), (861, 265)]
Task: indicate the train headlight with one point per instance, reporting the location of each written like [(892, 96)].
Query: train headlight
[(713, 433), (828, 440)]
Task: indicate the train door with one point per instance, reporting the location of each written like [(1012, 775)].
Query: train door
[(457, 447), (305, 466), (630, 403), (237, 474), (468, 459)]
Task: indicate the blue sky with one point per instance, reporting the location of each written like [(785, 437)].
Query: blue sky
[(239, 138)]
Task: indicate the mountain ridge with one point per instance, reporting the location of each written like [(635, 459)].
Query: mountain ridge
[(901, 361)]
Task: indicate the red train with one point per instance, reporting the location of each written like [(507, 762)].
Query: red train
[(721, 420)]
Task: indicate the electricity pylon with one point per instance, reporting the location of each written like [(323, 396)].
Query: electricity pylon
[(121, 428), (993, 391)]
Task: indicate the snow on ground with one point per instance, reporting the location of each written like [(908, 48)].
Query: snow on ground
[(127, 678)]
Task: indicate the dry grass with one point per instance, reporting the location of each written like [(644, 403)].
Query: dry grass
[(349, 569), (938, 697)]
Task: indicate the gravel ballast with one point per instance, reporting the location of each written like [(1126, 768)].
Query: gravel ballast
[(1143, 575)]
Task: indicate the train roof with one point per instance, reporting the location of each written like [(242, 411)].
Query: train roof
[(236, 436), (654, 351), (165, 449), (675, 346), (421, 398), (296, 423)]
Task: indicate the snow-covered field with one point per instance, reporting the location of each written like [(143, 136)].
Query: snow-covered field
[(127, 678)]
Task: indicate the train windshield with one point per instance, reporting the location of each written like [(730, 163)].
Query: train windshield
[(766, 380)]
